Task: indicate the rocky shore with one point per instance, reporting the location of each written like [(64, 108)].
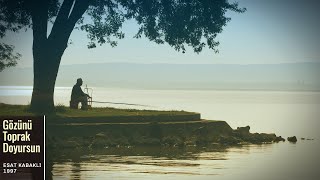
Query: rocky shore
[(111, 127), (175, 134)]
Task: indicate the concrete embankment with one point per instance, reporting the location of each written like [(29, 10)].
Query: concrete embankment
[(95, 133), (105, 127), (127, 118)]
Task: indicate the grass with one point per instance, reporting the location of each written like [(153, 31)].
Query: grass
[(63, 111), (14, 110), (97, 112)]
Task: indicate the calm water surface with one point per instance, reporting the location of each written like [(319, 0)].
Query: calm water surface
[(273, 161), (284, 113)]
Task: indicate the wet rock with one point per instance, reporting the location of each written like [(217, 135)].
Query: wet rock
[(268, 138), (102, 142), (201, 131), (243, 130), (69, 144), (229, 140), (308, 139), (279, 138), (144, 140), (257, 138), (150, 141), (292, 139), (172, 141), (100, 135)]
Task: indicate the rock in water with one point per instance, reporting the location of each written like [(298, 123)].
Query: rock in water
[(308, 139), (279, 138), (292, 139)]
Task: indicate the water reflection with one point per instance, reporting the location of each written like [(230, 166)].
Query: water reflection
[(76, 170), (135, 162), (267, 161)]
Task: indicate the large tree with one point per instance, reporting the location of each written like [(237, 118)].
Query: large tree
[(179, 23)]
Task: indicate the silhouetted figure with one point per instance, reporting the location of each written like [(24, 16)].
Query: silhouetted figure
[(78, 95)]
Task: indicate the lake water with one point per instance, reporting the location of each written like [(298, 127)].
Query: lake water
[(281, 112)]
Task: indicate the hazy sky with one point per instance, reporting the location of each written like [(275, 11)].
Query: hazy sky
[(270, 31)]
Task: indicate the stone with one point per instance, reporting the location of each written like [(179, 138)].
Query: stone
[(243, 130), (279, 138), (292, 139)]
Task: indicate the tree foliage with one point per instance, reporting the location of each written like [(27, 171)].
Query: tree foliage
[(7, 57), (179, 23)]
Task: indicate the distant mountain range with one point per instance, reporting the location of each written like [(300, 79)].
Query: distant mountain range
[(291, 76)]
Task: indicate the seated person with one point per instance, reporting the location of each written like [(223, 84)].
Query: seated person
[(78, 95)]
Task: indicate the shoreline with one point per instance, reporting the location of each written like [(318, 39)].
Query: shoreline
[(111, 127)]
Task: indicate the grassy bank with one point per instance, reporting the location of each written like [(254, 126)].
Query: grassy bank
[(63, 115), (110, 127), (106, 112)]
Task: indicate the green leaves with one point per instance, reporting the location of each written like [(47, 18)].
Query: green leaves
[(7, 57), (179, 23), (105, 24)]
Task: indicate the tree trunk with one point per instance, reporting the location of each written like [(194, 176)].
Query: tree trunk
[(48, 50), (47, 57)]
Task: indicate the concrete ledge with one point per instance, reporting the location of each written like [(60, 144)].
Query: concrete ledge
[(126, 119)]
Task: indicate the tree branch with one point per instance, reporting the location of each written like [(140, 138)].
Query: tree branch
[(78, 10), (65, 9), (39, 13), (63, 29), (62, 17)]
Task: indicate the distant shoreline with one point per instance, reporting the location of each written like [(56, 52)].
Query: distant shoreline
[(270, 77), (30, 87)]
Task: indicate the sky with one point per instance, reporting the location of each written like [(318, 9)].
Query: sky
[(269, 32)]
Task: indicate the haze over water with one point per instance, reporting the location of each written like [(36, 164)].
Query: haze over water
[(283, 34), (285, 113)]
